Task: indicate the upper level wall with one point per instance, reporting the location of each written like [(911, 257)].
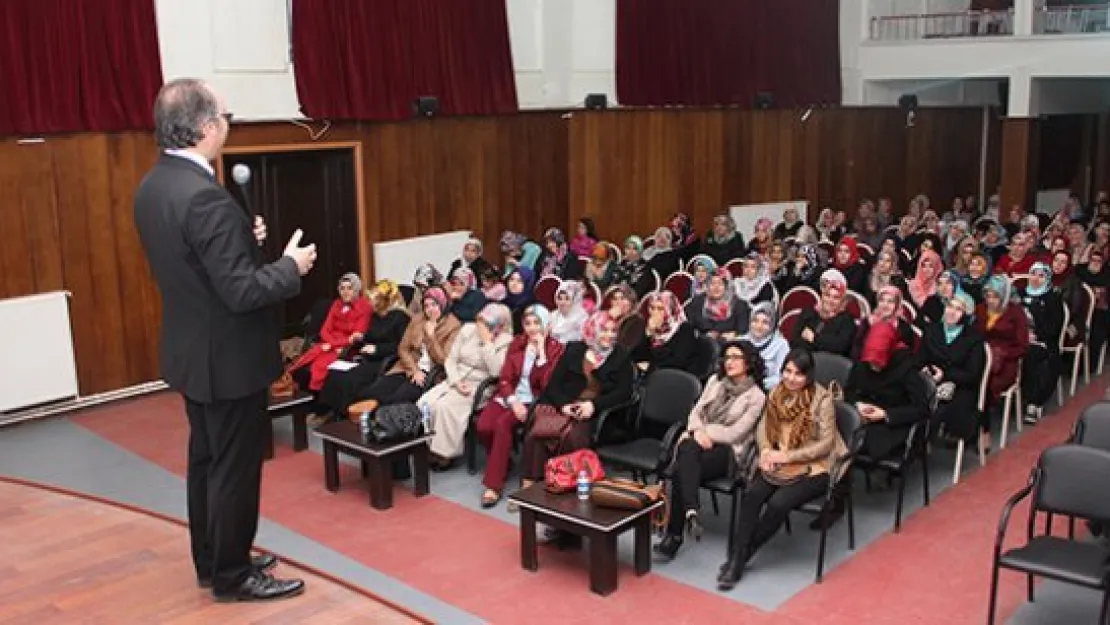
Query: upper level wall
[(562, 50)]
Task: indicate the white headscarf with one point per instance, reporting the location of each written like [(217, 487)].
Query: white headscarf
[(568, 327)]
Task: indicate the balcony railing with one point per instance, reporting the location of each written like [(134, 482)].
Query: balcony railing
[(942, 25), (1071, 20)]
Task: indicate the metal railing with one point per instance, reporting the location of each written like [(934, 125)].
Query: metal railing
[(1075, 19), (942, 25)]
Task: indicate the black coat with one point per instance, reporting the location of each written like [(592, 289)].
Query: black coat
[(835, 336), (568, 380), (1047, 311), (900, 391), (721, 253), (681, 352), (962, 363), (737, 322), (220, 329)]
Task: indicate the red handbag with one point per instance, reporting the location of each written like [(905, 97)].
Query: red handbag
[(561, 472)]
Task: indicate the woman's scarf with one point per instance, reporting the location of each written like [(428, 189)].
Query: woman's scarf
[(767, 309), (1059, 279), (439, 296), (896, 293), (812, 265), (879, 281), (427, 275), (387, 291), (466, 277), (832, 279), (635, 243), (512, 242), (826, 230), (496, 317), (710, 266), (552, 261), (477, 243), (853, 247), (716, 410), (682, 227), (673, 317), (746, 289), (720, 308), (921, 287), (571, 323), (793, 409), (516, 301), (953, 332), (954, 278), (591, 335), (1046, 272), (355, 282), (540, 312), (1000, 285), (728, 223)]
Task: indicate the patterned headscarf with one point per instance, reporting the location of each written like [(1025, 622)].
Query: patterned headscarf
[(512, 241), (673, 316), (465, 276), (437, 295), (427, 275), (591, 334), (721, 308), (1046, 272), (635, 243)]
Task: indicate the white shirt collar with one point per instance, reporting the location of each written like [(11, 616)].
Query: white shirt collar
[(193, 156)]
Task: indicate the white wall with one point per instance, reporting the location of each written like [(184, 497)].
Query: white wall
[(241, 47), (562, 51), (941, 92), (1061, 96)]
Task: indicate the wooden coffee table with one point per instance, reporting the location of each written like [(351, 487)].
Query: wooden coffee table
[(296, 407), (377, 458), (600, 526)]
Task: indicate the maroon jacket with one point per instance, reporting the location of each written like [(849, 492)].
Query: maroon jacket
[(1009, 340), (514, 363)]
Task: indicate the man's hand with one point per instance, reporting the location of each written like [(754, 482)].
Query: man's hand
[(305, 257), (259, 229)]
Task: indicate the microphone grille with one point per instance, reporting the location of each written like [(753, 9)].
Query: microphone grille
[(241, 174)]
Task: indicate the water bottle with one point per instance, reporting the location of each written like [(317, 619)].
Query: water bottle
[(583, 486), (426, 417), (364, 422)]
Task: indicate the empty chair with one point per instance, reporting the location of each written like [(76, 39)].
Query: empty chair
[(797, 298), (830, 368), (681, 284), (545, 290)]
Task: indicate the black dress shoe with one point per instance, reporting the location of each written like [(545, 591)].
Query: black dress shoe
[(262, 587), (667, 548), (731, 574), (261, 564)]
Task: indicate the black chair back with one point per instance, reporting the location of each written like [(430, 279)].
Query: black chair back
[(1073, 481), (848, 423), (1093, 427), (314, 320), (831, 367), (705, 361), (668, 396)]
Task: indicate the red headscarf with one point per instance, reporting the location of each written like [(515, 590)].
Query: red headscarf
[(878, 347), (851, 243)]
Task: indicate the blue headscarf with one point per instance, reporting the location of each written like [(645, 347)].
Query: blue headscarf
[(1044, 270), (516, 301)]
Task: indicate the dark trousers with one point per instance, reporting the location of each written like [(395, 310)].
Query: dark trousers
[(393, 389), (692, 466), (1039, 375), (224, 477), (764, 508), (537, 451)]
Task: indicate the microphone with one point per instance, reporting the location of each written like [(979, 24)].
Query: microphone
[(241, 174)]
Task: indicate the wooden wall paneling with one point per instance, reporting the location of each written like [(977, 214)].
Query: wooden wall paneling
[(1101, 177), (1020, 147), (30, 257), (994, 158)]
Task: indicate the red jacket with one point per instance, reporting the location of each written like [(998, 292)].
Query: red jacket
[(514, 364), (336, 332)]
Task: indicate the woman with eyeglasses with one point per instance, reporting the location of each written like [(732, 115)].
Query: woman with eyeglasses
[(718, 430), (346, 323)]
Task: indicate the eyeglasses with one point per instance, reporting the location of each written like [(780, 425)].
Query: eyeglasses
[(731, 357)]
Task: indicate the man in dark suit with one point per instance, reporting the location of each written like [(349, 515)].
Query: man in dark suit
[(220, 335)]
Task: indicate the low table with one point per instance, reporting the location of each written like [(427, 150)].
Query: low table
[(600, 526), (377, 458), (297, 407)]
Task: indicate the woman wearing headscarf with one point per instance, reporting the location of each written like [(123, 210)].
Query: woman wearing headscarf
[(978, 272), (754, 284), (493, 285), (570, 315), (789, 225), (887, 309), (1004, 327), (762, 237), (887, 389), (594, 375), (669, 341), (1095, 275), (827, 228), (723, 243), (467, 299), (718, 431), (952, 354), (885, 273), (601, 269), (347, 321), (529, 363), (718, 312), (516, 249), (633, 270), (804, 270), (471, 258), (623, 308), (342, 388), (1041, 367), (962, 254), (684, 235), (846, 260), (426, 276), (924, 282), (933, 309), (559, 261), (798, 444), (763, 333), (519, 294), (1071, 292), (828, 327), (476, 354), (995, 243), (704, 267), (777, 263), (425, 346)]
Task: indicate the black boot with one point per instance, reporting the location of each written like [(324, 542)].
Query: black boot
[(666, 549), (732, 571)]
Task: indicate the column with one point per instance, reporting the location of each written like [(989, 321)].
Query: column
[(1101, 178), (1023, 17), (1020, 153)]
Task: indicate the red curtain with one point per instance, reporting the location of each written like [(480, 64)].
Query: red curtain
[(77, 65), (714, 52), (369, 59)]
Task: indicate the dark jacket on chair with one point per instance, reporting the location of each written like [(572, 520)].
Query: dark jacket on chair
[(681, 352), (568, 381), (835, 336), (220, 328)]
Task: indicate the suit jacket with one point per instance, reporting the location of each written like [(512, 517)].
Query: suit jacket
[(220, 330)]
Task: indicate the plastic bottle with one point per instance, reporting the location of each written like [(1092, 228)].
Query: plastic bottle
[(364, 422), (426, 417), (583, 486)]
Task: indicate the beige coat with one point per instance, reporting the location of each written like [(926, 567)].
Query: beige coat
[(825, 447), (739, 423), (470, 362), (408, 352)]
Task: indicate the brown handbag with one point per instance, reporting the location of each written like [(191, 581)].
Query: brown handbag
[(624, 494), (283, 387), (549, 423)]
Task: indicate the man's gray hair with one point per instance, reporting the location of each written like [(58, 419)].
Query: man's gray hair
[(183, 106)]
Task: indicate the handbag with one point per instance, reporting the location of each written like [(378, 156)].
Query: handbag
[(549, 423), (396, 422), (283, 387), (625, 494), (786, 475), (560, 474)]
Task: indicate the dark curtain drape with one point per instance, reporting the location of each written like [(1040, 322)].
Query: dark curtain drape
[(369, 59), (714, 52), (77, 65)]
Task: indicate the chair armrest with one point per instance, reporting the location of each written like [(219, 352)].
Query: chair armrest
[(480, 396), (1008, 509), (918, 435), (603, 416), (670, 440)]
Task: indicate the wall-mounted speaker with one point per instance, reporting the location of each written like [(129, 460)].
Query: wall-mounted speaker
[(764, 100), (597, 102), (908, 102), (425, 106)]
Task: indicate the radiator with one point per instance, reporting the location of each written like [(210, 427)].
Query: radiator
[(38, 365)]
